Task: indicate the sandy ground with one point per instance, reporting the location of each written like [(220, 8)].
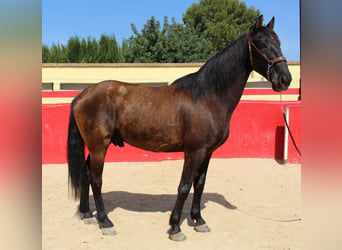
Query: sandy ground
[(247, 203)]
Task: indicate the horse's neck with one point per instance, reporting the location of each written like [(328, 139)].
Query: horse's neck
[(233, 69)]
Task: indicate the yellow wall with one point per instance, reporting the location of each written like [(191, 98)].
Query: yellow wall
[(59, 74), (133, 73)]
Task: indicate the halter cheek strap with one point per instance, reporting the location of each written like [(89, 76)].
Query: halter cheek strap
[(270, 63)]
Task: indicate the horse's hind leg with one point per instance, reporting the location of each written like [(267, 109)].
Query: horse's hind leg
[(96, 169), (200, 225), (86, 215)]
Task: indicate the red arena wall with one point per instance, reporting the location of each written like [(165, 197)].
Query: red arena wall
[(256, 131)]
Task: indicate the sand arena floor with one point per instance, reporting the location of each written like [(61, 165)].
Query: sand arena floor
[(247, 203)]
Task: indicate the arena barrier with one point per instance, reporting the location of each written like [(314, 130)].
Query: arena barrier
[(256, 131)]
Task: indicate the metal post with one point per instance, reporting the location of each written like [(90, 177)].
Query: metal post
[(286, 135), (56, 86)]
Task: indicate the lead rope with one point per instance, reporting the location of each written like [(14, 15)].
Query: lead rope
[(287, 125)]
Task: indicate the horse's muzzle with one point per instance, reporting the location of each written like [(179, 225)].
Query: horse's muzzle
[(283, 83)]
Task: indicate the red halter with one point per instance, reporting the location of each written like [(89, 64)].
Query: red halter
[(270, 63)]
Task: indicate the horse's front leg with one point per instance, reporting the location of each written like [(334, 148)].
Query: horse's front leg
[(192, 163), (200, 225)]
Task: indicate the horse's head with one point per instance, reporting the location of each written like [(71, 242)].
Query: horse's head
[(265, 55)]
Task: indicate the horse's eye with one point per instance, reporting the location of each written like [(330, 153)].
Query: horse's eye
[(261, 44)]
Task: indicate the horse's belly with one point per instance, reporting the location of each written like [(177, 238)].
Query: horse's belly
[(157, 135), (155, 143), (157, 146)]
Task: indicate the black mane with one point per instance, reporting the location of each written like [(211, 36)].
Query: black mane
[(217, 73)]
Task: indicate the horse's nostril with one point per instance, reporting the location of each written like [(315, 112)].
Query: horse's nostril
[(283, 80)]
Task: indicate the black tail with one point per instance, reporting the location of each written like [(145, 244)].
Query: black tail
[(75, 156)]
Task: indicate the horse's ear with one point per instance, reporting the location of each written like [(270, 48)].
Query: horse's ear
[(259, 21), (271, 24)]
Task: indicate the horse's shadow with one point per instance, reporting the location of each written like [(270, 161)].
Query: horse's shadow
[(140, 202)]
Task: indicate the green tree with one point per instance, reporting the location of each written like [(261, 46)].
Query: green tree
[(83, 56), (170, 43), (45, 53), (58, 54), (92, 50), (147, 46), (185, 45), (220, 21), (54, 54), (108, 49), (124, 51), (113, 49), (73, 46)]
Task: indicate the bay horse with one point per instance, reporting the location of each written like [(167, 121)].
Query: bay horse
[(191, 115)]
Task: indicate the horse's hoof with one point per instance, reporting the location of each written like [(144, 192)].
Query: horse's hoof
[(177, 237), (108, 231), (90, 221), (202, 228)]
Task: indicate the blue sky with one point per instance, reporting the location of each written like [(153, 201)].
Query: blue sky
[(64, 18)]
